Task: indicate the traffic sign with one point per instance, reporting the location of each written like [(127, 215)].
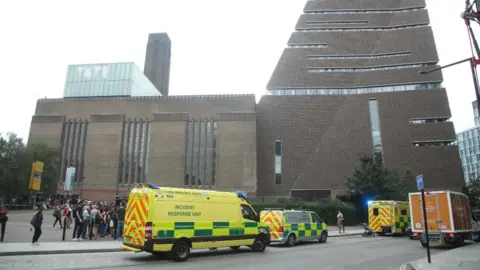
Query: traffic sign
[(420, 185)]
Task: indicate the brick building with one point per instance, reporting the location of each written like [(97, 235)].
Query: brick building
[(347, 84)]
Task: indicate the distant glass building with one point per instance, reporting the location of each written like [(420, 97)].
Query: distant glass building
[(106, 80), (469, 146)]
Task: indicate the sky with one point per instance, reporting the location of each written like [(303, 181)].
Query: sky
[(218, 47)]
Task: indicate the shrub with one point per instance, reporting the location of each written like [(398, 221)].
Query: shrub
[(327, 209)]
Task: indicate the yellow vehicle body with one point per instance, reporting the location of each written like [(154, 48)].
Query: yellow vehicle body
[(291, 226), (156, 219), (389, 217)]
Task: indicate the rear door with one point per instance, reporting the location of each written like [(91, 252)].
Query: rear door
[(433, 214), (274, 221), (136, 216)]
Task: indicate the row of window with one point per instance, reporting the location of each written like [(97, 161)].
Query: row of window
[(337, 22), (433, 143), (427, 121), (378, 11), (308, 46), (73, 146), (135, 151), (470, 151), (389, 28), (469, 134), (322, 70), (357, 57), (201, 153), (351, 91)]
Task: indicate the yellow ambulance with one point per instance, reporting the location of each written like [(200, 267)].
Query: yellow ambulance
[(174, 221), (389, 217), (292, 226)]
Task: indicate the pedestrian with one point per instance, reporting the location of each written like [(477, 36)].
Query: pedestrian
[(95, 221), (86, 222), (78, 216), (340, 222), (57, 213), (3, 220), (121, 221), (36, 222)]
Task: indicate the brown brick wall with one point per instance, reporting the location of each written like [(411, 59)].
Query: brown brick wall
[(363, 4), (46, 129), (167, 153), (322, 137), (102, 154), (236, 160)]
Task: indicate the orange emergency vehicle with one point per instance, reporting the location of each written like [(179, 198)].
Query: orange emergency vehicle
[(449, 218)]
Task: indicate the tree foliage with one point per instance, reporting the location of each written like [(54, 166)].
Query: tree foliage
[(472, 190), (372, 180), (16, 162)]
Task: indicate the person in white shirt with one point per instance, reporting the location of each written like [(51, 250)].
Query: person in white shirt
[(340, 223)]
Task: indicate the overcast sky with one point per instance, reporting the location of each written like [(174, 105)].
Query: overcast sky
[(218, 47)]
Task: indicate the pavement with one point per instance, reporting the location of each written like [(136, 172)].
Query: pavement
[(86, 246), (465, 258), (18, 228), (345, 253)]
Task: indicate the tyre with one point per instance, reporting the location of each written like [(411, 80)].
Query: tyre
[(235, 248), (259, 245), (180, 251), (290, 240), (323, 237)]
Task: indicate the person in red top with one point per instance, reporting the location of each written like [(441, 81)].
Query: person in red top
[(3, 220)]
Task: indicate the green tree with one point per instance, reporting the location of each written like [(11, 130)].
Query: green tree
[(472, 190), (372, 180), (12, 156), (16, 160)]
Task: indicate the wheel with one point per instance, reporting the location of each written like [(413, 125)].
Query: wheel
[(180, 251), (235, 248), (258, 245), (323, 237), (290, 240)]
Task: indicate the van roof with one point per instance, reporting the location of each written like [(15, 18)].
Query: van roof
[(187, 191)]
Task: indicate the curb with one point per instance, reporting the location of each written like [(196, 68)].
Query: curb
[(50, 252), (344, 235)]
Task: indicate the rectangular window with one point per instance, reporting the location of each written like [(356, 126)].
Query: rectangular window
[(214, 153), (188, 153), (196, 148), (278, 161), (201, 154), (375, 126)]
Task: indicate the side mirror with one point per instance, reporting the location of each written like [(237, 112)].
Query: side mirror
[(257, 218)]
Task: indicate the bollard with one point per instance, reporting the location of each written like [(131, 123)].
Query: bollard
[(64, 228)]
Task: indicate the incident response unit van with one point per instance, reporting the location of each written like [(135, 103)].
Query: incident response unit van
[(389, 217), (449, 218), (174, 220), (291, 226)]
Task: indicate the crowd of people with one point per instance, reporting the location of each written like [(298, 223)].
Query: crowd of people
[(91, 220)]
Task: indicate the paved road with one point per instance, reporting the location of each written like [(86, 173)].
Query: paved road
[(18, 228), (354, 252)]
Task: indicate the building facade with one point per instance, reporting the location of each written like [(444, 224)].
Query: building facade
[(105, 80), (349, 83), (157, 61), (182, 141), (469, 148)]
